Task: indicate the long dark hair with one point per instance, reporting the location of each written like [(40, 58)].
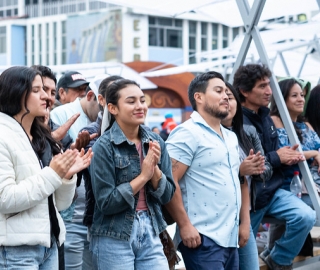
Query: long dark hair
[(237, 123), (285, 87), (113, 96), (312, 112), (15, 88)]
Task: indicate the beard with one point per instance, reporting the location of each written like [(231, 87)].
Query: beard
[(215, 112)]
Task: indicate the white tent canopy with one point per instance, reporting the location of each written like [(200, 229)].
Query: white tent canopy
[(221, 11), (287, 58)]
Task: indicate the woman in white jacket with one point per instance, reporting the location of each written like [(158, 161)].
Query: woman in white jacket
[(36, 179)]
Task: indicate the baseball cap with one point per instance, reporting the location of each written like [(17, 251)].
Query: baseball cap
[(72, 79)]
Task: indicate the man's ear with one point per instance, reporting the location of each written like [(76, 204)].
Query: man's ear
[(244, 93), (62, 94), (90, 95), (198, 97)]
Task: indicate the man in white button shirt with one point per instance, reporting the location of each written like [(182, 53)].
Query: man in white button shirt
[(205, 165)]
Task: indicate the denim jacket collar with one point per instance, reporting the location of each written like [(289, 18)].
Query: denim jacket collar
[(117, 136)]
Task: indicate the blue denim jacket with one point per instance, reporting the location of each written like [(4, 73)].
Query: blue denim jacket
[(114, 164)]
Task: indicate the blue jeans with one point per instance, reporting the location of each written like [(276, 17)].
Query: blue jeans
[(209, 255), (249, 260), (76, 247), (143, 251), (29, 257), (299, 218)]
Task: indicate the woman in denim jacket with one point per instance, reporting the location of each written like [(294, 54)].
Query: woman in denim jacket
[(131, 178)]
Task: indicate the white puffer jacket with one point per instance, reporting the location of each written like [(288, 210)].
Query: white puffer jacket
[(24, 190)]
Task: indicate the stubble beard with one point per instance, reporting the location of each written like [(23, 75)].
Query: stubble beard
[(215, 113)]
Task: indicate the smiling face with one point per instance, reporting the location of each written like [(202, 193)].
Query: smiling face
[(37, 99), (295, 101), (131, 109)]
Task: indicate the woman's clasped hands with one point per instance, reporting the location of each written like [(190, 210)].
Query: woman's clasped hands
[(150, 167)]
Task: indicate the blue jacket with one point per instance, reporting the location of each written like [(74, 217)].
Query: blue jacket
[(115, 163), (269, 139)]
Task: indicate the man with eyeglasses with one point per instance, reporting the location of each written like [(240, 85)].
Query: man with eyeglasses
[(71, 86)]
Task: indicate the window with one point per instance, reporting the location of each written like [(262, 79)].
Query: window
[(54, 43), (225, 31), (192, 42), (204, 31), (3, 39), (235, 32), (165, 32), (32, 45), (40, 43), (47, 43), (64, 43), (214, 43), (174, 38), (152, 20)]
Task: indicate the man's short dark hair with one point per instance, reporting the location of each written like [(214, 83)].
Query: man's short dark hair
[(45, 72), (200, 84), (246, 77)]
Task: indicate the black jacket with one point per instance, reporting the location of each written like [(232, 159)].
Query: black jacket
[(269, 140), (90, 200), (266, 175)]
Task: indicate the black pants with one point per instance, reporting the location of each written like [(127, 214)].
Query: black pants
[(61, 257)]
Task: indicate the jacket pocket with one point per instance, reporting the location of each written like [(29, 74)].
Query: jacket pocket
[(122, 168)]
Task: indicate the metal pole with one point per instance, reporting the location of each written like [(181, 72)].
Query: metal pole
[(251, 19), (284, 64)]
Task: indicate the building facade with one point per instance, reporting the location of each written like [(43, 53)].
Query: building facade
[(55, 32)]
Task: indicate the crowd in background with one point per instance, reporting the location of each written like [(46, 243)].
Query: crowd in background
[(85, 184)]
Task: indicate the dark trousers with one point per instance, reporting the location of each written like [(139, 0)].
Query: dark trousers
[(209, 256), (61, 257)]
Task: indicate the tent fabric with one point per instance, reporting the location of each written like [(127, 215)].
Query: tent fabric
[(221, 11)]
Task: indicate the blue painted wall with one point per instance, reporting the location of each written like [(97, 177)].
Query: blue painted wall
[(166, 55), (18, 45)]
